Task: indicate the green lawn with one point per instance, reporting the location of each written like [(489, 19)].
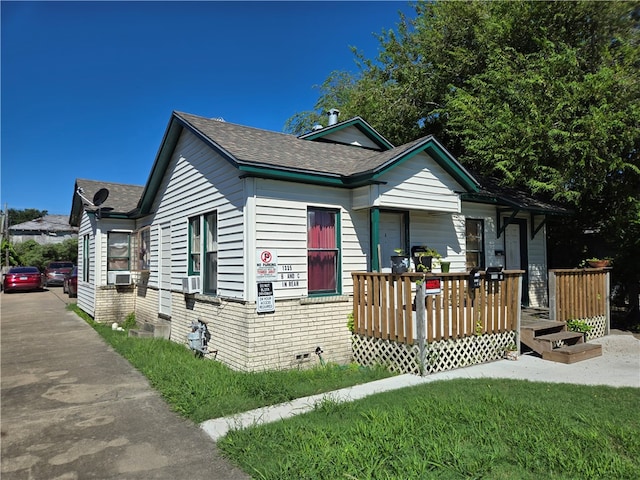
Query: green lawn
[(201, 389), (457, 429)]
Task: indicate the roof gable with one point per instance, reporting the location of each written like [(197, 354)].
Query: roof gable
[(357, 124)]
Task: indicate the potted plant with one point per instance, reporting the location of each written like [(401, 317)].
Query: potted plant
[(423, 257), (598, 262), (399, 261), (511, 352), (579, 326)]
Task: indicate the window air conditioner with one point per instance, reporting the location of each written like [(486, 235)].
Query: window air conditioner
[(119, 278), (191, 284)]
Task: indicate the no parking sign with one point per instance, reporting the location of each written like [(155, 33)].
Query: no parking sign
[(266, 265)]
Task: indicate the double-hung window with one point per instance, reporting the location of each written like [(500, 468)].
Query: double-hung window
[(203, 250), (142, 248), (118, 251), (474, 234), (323, 253), (85, 258)]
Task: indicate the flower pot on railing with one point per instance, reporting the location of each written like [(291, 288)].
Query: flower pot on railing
[(399, 264), (599, 263), (444, 267)]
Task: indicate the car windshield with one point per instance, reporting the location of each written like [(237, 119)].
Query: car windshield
[(24, 270), (61, 265)]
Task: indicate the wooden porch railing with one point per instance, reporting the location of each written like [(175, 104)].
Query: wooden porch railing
[(383, 306), (578, 294)]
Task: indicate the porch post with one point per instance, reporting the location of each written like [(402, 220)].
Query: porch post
[(374, 227), (607, 302), (420, 323), (552, 295)]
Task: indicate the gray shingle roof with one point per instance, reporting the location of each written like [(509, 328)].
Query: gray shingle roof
[(122, 198), (252, 146), (48, 223)]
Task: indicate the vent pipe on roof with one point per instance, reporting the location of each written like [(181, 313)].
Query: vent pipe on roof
[(333, 116)]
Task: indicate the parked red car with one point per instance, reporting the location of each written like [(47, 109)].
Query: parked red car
[(22, 278), (55, 272), (70, 284)]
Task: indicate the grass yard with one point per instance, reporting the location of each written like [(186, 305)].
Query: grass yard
[(203, 389), (457, 429)]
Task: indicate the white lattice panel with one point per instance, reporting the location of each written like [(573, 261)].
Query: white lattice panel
[(438, 356), (599, 325), (397, 357)]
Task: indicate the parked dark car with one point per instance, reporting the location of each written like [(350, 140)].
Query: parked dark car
[(22, 279), (55, 272), (70, 284)]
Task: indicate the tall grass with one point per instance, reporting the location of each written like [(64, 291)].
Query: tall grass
[(201, 389), (497, 429)]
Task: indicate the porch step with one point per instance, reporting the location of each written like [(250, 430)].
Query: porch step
[(549, 341), (573, 353), (140, 333), (152, 330)]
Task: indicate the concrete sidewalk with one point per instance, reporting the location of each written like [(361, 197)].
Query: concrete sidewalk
[(619, 366), (72, 408)]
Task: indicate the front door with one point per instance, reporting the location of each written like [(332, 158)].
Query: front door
[(516, 258), (392, 236)]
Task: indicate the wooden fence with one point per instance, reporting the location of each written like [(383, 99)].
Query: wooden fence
[(384, 306), (579, 294)]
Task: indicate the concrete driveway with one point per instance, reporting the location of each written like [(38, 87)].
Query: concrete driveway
[(72, 408)]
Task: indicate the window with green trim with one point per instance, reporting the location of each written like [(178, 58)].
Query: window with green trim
[(195, 241), (203, 250), (323, 253)]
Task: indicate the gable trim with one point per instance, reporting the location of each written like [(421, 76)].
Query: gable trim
[(356, 122)]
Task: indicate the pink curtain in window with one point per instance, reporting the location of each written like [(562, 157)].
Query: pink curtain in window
[(322, 265)]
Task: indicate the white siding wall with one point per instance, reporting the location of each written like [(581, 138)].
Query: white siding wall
[(351, 136), (281, 225), (188, 190), (444, 232), (419, 183), (87, 290)]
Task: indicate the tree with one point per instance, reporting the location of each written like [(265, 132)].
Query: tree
[(20, 216), (543, 95)]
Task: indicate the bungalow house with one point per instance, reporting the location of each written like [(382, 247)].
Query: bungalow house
[(257, 233)]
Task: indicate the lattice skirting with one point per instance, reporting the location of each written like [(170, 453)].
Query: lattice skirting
[(437, 356), (599, 325)]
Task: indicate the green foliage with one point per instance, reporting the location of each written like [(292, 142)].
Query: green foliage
[(351, 323), (465, 428), (37, 255), (129, 322), (579, 326)]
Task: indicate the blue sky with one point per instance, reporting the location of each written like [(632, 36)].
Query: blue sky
[(88, 87)]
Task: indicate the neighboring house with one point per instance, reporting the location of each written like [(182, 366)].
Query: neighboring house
[(257, 233), (44, 230)]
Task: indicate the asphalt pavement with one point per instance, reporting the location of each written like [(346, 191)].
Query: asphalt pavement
[(72, 408)]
